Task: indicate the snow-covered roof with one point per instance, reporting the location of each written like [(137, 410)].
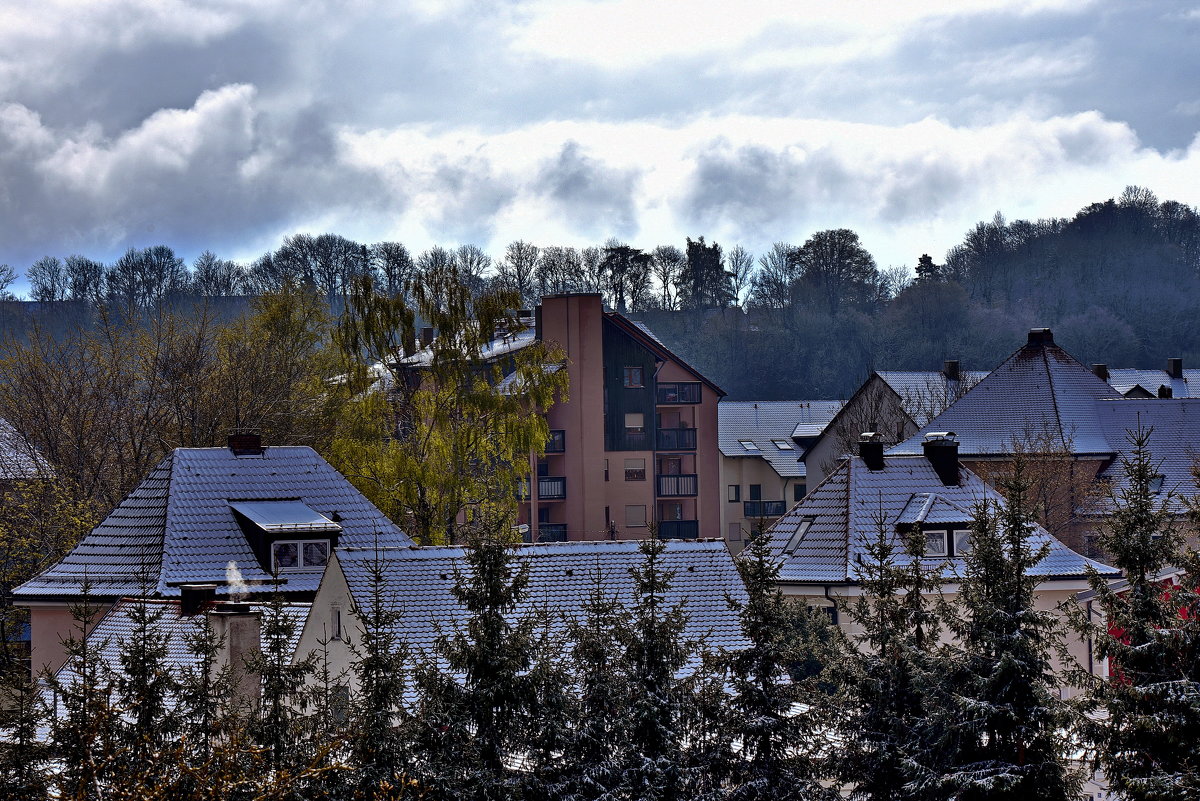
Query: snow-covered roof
[(924, 393), (180, 525), (419, 584), (1126, 379), (772, 427), (18, 458), (825, 536)]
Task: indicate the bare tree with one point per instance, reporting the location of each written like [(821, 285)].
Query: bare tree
[(48, 279), (740, 266), (773, 284), (667, 264), (518, 270)]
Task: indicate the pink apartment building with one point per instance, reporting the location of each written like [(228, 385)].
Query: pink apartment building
[(635, 443)]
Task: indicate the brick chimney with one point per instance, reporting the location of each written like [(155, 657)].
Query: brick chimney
[(195, 598), (245, 444), (941, 449), (426, 336), (241, 627), (950, 369), (1101, 371), (1175, 368), (870, 449), (1041, 336)]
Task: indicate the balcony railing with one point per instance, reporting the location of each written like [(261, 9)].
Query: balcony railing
[(552, 532), (678, 529), (677, 486), (764, 508), (678, 392), (557, 442), (552, 488), (677, 439)]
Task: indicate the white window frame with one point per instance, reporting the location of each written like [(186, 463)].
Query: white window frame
[(639, 423), (945, 543), (783, 445), (299, 556), (962, 551)]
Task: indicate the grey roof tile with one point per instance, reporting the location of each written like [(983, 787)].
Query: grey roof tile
[(1124, 379), (845, 512), (419, 583), (925, 390), (177, 525), (763, 422)]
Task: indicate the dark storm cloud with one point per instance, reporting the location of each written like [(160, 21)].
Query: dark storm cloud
[(595, 198)]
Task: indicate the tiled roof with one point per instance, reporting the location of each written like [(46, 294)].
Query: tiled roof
[(561, 577), (18, 459), (1040, 388), (1124, 379), (645, 329), (1174, 443), (843, 514), (116, 627), (763, 422), (924, 393), (177, 525)]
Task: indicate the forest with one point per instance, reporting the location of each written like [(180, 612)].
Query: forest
[(1117, 282)]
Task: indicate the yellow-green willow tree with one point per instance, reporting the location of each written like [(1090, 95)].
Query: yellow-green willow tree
[(429, 434)]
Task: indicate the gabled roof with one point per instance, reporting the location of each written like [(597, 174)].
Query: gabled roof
[(764, 422), (841, 518), (419, 583), (1125, 379), (178, 525), (1174, 443), (1039, 388), (925, 393), (642, 333)]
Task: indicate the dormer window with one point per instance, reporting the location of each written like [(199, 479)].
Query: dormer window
[(289, 555)]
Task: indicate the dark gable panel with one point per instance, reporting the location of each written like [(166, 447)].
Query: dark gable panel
[(621, 351)]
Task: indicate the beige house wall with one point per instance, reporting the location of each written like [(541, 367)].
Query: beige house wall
[(744, 471), (49, 625), (333, 594)]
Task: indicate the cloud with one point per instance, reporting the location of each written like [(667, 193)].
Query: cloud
[(593, 197)]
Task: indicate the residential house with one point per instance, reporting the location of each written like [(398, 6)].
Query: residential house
[(1042, 398), (247, 518), (417, 585), (891, 403), (823, 540), (634, 445), (761, 469), (1173, 382)]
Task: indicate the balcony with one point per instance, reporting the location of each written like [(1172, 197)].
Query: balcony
[(677, 439), (680, 486), (557, 442), (678, 530), (552, 532), (678, 393), (552, 488), (764, 508)]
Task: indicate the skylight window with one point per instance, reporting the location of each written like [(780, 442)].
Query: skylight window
[(281, 517), (782, 444), (748, 444), (798, 537)]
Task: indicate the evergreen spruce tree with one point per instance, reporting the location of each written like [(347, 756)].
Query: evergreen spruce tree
[(779, 757), (84, 719), (891, 674), (1006, 729), (146, 693), (23, 754), (380, 729), (1145, 735), (592, 752), (475, 691), (655, 651)]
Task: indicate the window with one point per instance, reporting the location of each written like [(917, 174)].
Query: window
[(756, 492), (962, 542), (635, 516), (735, 532), (783, 444), (794, 541), (635, 423), (935, 544), (1156, 482), (748, 444), (633, 377), (335, 623), (606, 470), (635, 469), (299, 554), (798, 491), (735, 493)]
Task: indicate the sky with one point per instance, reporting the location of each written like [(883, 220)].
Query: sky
[(230, 124)]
